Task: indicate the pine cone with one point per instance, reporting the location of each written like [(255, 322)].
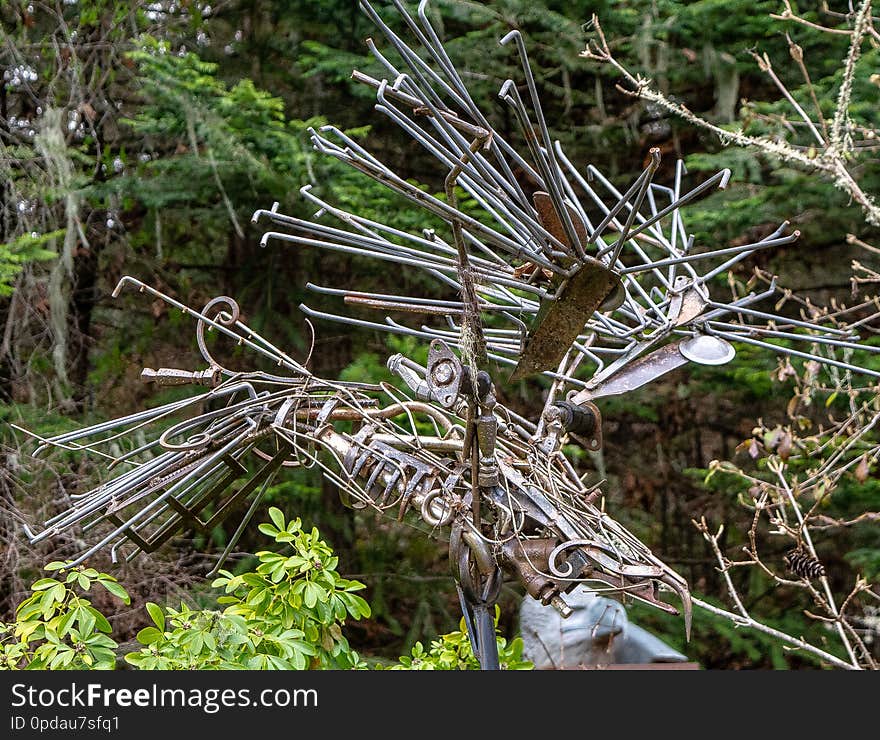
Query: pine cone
[(804, 565)]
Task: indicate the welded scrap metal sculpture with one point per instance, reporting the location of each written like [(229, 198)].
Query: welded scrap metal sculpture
[(557, 273)]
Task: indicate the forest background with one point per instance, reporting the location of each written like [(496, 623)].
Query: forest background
[(138, 137)]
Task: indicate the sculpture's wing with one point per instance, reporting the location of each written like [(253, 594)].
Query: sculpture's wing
[(190, 463)]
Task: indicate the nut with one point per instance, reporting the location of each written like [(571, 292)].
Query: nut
[(443, 372)]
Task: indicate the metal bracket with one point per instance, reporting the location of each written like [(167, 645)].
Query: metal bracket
[(445, 374)]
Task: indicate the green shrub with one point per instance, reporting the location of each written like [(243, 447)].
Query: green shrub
[(453, 652), (287, 614), (58, 628)]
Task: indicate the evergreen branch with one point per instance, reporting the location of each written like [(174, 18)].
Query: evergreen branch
[(788, 14)]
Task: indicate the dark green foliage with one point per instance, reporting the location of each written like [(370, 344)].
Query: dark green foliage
[(19, 252)]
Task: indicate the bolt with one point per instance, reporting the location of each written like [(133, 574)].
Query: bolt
[(558, 603), (443, 372)]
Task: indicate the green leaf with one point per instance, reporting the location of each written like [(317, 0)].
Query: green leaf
[(210, 642), (149, 635), (117, 590), (313, 593), (66, 621), (157, 615), (43, 584), (98, 640), (105, 659), (358, 607), (135, 659), (24, 630), (62, 657), (29, 608), (277, 517), (100, 619), (86, 620), (47, 603), (254, 580)]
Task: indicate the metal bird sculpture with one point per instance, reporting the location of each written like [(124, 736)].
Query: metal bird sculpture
[(558, 274)]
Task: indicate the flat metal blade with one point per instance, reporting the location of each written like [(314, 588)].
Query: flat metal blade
[(560, 321)]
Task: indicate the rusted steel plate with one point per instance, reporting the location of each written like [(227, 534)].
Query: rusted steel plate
[(560, 321)]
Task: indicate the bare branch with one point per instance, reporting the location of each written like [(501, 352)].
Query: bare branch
[(840, 139), (796, 642)]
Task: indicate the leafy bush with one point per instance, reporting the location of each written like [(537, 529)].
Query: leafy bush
[(57, 628), (287, 614), (453, 652)]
